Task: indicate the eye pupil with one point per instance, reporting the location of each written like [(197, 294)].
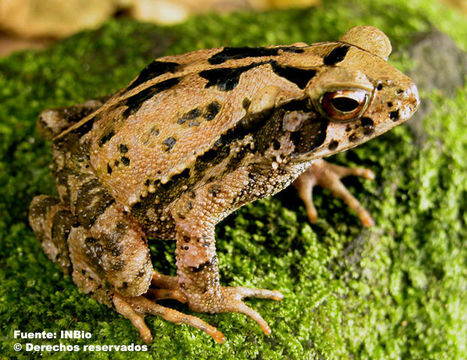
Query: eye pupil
[(344, 104)]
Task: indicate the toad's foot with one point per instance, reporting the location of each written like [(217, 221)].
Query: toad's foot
[(229, 299), (220, 299), (328, 176), (134, 309)]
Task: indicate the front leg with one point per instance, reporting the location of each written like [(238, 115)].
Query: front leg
[(329, 177), (197, 264)]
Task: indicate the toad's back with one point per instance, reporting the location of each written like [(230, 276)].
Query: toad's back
[(178, 107)]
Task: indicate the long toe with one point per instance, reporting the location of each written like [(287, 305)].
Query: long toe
[(134, 308)]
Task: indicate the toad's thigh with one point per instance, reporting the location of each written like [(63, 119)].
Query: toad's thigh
[(111, 254)]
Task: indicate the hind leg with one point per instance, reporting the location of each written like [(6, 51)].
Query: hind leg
[(53, 121), (108, 260), (51, 222)]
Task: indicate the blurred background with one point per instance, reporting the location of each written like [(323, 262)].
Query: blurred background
[(37, 23)]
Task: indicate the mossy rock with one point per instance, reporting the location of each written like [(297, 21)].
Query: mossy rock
[(394, 291)]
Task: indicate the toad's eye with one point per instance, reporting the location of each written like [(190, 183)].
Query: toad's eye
[(344, 105)]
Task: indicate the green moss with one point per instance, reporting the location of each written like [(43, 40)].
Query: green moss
[(394, 291)]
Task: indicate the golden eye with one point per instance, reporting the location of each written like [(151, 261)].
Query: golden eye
[(344, 105)]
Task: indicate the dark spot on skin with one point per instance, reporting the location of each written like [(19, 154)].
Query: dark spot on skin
[(169, 142), (154, 69), (251, 176), (212, 110), (185, 174), (336, 55), (116, 163), (379, 87), (192, 194), (226, 79), (399, 91), (298, 105), (106, 138), (353, 137), (367, 122), (181, 216), (78, 132), (123, 148), (390, 104), (200, 267), (140, 273), (124, 285), (134, 102), (229, 53), (147, 182), (90, 240), (190, 115), (125, 160), (394, 115), (246, 103), (92, 201), (368, 125), (348, 129), (276, 144), (215, 190), (185, 247), (333, 145), (190, 205), (299, 77), (310, 136), (109, 169), (186, 239)]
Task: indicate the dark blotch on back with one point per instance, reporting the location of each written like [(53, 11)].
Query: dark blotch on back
[(367, 122), (169, 142), (212, 110), (298, 76), (190, 115), (154, 69), (336, 55), (246, 103), (333, 145), (368, 125), (229, 53), (226, 79), (123, 148), (134, 102), (394, 115), (106, 138), (125, 160)]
